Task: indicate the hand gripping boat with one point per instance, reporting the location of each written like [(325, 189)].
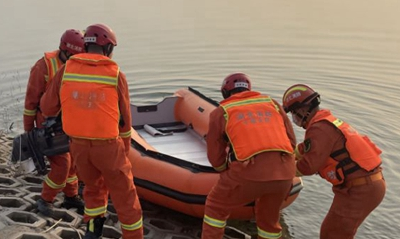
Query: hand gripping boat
[(170, 164)]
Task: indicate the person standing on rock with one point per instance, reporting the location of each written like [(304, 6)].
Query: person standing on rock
[(93, 96), (250, 140), (62, 174)]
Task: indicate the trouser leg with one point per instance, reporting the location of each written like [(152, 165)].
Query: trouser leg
[(349, 209), (268, 208), (118, 178), (223, 197), (215, 212), (55, 180), (71, 185), (95, 192)]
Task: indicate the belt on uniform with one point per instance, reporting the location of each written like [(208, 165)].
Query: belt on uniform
[(364, 180), (93, 141)]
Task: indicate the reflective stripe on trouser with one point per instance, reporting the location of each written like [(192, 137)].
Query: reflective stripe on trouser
[(94, 212), (62, 177), (270, 235), (104, 169), (230, 193), (214, 222), (30, 112), (133, 226)]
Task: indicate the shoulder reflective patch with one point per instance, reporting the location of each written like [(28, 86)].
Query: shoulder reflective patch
[(307, 145)]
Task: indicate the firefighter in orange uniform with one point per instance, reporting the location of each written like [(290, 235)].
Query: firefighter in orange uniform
[(345, 158), (62, 176), (93, 95), (251, 142)]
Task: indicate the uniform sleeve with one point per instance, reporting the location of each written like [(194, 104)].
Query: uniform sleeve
[(216, 145), (288, 125), (319, 141), (34, 91), (50, 102), (125, 112)]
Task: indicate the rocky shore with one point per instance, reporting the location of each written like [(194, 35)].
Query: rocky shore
[(19, 218)]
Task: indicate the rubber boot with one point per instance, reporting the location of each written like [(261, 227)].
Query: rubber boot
[(94, 228), (74, 202), (46, 208)]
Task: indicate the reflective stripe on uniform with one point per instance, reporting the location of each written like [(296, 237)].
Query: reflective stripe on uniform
[(52, 184), (93, 212), (297, 153), (133, 226), (268, 235), (221, 168), (54, 66), (53, 63), (246, 102), (30, 112), (72, 179), (125, 134), (338, 122), (214, 222), (91, 78)]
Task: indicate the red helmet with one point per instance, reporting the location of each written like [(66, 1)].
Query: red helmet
[(100, 34), (72, 41), (234, 81), (298, 96)]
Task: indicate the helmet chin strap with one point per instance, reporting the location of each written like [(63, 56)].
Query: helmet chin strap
[(108, 49), (225, 94), (303, 118), (299, 119), (62, 55)]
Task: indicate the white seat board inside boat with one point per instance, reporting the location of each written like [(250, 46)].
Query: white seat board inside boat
[(187, 145)]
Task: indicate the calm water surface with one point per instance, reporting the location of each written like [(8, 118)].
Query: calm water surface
[(348, 51)]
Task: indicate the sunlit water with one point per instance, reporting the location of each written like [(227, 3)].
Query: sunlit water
[(348, 51)]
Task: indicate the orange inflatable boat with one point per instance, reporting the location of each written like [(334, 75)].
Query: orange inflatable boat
[(170, 164)]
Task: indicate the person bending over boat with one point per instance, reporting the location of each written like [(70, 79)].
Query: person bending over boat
[(93, 95), (250, 141), (342, 156), (62, 174)]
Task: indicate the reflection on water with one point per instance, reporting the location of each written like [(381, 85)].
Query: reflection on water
[(348, 51)]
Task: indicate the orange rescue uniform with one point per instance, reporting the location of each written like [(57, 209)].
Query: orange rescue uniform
[(41, 73), (358, 188), (62, 176), (94, 98), (265, 177)]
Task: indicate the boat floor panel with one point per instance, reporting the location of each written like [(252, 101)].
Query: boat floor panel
[(187, 145)]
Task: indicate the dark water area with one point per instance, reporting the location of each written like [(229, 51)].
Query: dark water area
[(349, 51)]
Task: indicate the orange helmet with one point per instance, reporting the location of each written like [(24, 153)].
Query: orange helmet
[(72, 41), (100, 34), (298, 96), (236, 81)]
